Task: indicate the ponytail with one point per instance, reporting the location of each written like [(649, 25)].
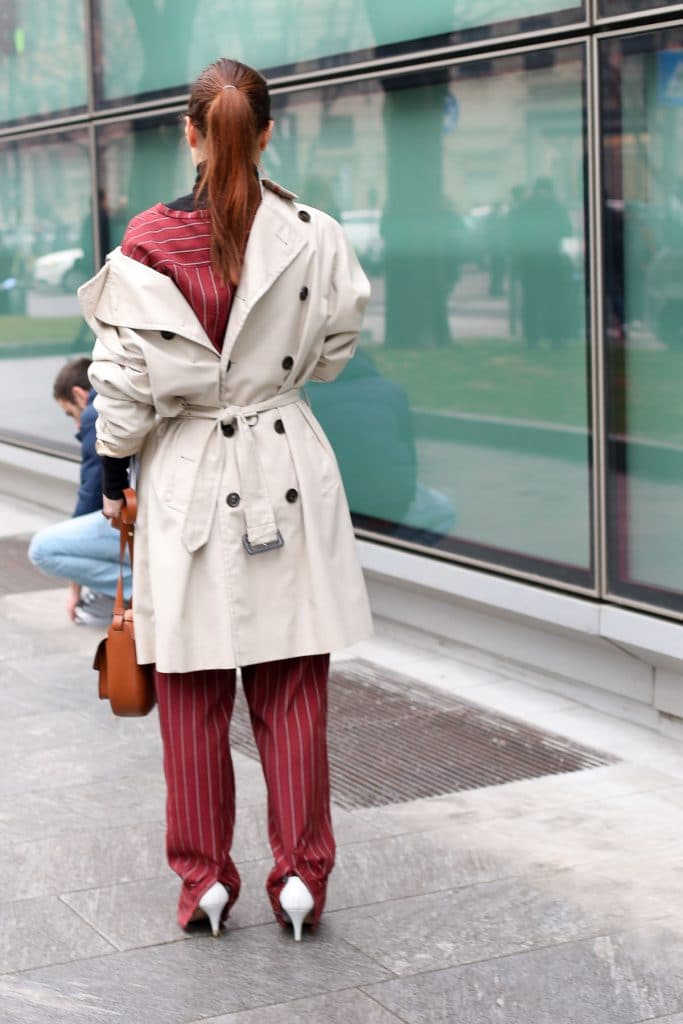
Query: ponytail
[(230, 106)]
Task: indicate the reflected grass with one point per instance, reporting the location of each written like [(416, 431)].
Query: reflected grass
[(38, 328), (493, 377), (503, 379)]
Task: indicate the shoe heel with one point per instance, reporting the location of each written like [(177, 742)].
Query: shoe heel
[(213, 904), (296, 903)]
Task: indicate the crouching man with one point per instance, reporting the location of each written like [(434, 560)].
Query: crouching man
[(85, 548)]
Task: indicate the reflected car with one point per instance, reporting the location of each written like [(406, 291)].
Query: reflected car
[(61, 270), (363, 230)]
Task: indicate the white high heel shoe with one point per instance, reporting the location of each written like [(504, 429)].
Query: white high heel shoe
[(212, 905), (296, 903)]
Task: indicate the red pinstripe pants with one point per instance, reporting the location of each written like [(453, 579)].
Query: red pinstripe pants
[(288, 707)]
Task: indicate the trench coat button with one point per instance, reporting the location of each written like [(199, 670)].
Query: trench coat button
[(303, 294), (279, 427), (304, 215), (233, 499), (228, 429), (291, 495), (287, 363), (168, 335), (228, 366)]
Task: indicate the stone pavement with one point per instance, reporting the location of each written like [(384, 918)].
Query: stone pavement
[(555, 900)]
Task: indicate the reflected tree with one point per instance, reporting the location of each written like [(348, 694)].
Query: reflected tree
[(419, 227)]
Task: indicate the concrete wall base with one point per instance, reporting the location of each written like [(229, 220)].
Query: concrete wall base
[(626, 663)]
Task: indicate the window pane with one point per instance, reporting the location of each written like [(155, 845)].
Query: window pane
[(42, 58), (463, 422), (275, 36), (609, 8), (643, 228), (46, 252)]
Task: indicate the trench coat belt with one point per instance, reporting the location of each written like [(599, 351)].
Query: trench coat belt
[(259, 515)]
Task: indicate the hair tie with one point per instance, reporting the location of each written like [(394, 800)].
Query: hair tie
[(228, 87)]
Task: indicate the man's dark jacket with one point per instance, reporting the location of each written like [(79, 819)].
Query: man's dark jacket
[(90, 488)]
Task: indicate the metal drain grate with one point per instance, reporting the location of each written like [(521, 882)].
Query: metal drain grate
[(391, 740)]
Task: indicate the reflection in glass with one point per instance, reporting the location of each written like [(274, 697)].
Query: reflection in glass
[(465, 423), (265, 35), (643, 228), (42, 58), (610, 8), (46, 252)]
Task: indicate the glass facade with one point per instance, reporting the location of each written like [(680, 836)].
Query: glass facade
[(42, 58), (46, 252), (464, 173), (289, 38), (612, 8)]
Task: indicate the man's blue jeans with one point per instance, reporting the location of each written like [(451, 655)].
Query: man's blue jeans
[(83, 550)]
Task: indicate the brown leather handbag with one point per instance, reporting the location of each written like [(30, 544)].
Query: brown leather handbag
[(127, 686)]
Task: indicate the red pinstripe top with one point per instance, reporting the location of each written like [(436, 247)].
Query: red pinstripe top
[(177, 242)]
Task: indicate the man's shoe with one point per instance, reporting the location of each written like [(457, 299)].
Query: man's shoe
[(94, 610)]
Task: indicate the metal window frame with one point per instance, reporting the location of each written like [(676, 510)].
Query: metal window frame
[(607, 33)]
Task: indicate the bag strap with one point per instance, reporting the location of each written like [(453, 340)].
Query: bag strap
[(125, 524)]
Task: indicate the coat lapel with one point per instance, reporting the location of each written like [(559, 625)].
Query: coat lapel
[(274, 241)]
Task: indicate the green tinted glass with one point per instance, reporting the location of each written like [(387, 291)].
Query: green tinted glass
[(463, 422), (46, 252), (643, 230), (609, 8), (267, 35), (42, 57)]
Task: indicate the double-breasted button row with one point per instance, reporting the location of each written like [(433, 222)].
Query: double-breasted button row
[(228, 429), (233, 499)]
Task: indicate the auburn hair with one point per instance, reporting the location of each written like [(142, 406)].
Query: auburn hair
[(230, 106)]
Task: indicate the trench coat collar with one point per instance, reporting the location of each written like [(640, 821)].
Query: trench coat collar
[(126, 293), (277, 236)]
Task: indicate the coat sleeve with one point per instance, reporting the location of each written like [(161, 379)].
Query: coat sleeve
[(124, 403), (348, 294)]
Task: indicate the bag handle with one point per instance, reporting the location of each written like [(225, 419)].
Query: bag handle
[(125, 524)]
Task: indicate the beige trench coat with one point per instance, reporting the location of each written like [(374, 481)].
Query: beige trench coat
[(244, 549)]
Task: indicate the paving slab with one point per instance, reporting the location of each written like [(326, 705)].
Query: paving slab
[(186, 981), (608, 979), (479, 922), (365, 874), (438, 908), (34, 933), (352, 1007)]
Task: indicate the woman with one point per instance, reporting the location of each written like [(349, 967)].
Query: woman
[(209, 318)]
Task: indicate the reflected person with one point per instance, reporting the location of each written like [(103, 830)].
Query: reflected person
[(545, 270)]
